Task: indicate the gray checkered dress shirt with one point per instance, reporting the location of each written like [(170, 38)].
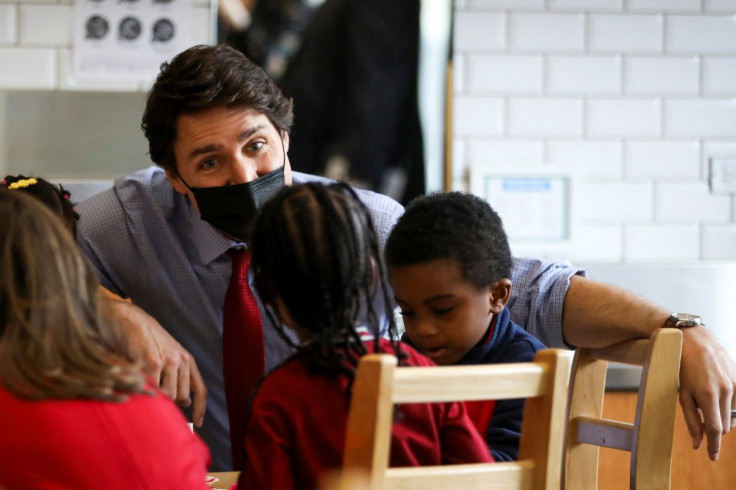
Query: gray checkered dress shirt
[(147, 243)]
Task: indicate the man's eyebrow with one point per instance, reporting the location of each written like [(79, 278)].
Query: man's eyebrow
[(214, 147), (249, 132), (205, 149)]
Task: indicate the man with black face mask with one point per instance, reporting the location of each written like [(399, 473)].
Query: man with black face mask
[(218, 128), (218, 131)]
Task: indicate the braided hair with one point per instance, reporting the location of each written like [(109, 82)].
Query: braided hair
[(55, 197), (316, 254)]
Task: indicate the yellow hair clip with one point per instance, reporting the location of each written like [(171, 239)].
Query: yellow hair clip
[(22, 183)]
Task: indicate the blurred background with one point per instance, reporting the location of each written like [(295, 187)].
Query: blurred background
[(628, 105)]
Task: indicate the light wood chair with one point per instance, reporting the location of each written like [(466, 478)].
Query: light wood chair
[(649, 438), (379, 384)]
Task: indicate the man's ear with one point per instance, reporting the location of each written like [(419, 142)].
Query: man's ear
[(285, 139), (500, 294), (176, 181)]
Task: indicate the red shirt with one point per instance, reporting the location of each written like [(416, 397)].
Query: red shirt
[(297, 429), (141, 443)]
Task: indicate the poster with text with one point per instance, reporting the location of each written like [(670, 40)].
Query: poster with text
[(125, 41)]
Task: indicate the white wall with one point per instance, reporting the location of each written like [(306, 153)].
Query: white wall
[(640, 93), (36, 45), (53, 126)]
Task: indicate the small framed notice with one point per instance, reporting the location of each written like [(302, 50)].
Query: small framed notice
[(125, 41), (536, 203)]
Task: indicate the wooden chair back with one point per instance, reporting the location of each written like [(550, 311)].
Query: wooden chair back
[(379, 384), (649, 438)]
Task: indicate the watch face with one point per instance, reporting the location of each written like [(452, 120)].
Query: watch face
[(685, 320)]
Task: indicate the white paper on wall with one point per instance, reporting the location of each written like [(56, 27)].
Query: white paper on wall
[(537, 204), (125, 41)]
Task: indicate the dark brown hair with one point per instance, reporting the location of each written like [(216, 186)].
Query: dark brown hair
[(55, 197), (203, 78), (56, 339)]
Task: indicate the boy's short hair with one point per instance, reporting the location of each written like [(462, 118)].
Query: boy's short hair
[(456, 226)]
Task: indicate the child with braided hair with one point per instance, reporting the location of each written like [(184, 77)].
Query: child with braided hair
[(317, 264), (55, 197)]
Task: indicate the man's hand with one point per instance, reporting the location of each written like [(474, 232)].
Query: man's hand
[(163, 358), (598, 314), (707, 388)]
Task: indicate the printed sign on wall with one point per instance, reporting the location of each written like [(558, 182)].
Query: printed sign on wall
[(537, 203), (125, 41)]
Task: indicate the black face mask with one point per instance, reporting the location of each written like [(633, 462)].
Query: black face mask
[(231, 208)]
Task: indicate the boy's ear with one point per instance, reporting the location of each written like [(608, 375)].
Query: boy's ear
[(500, 294)]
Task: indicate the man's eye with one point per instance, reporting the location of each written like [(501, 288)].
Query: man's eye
[(256, 146), (442, 311), (208, 164)]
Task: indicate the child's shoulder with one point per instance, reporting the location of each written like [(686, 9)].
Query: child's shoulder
[(514, 344)]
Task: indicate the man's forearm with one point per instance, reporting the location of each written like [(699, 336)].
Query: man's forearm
[(597, 314)]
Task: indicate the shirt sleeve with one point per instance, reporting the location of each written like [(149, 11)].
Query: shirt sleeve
[(504, 431), (538, 295), (268, 453), (96, 238)]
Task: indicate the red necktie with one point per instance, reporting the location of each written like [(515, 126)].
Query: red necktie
[(243, 357)]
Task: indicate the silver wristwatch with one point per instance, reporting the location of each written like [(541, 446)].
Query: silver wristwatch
[(682, 320)]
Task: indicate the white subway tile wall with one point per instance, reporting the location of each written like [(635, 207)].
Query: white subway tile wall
[(662, 160), (674, 203), (639, 94), (719, 5), (546, 32), (613, 5), (625, 33), (719, 76), (545, 117), (719, 241), (46, 25), (32, 68), (600, 243), (661, 243), (527, 151), (511, 74), (478, 116), (583, 75), (619, 202), (623, 117), (672, 5), (595, 159), (8, 32), (36, 41), (651, 75), (700, 34)]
